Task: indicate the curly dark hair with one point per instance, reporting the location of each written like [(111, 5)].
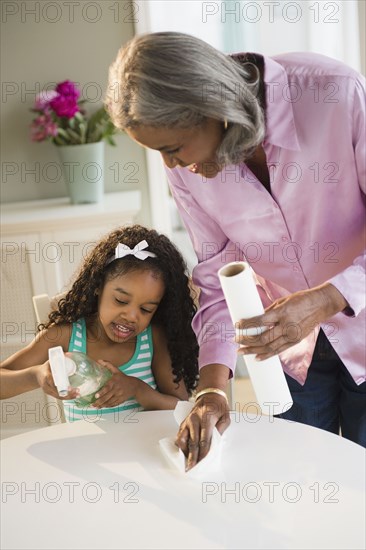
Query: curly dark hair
[(175, 311)]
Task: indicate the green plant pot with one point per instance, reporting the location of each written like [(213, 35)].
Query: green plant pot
[(83, 169)]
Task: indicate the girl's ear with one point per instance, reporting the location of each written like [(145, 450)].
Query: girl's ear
[(96, 292)]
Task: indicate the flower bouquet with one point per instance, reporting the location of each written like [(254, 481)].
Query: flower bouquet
[(62, 119), (79, 137)]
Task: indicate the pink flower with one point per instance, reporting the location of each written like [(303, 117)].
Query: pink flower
[(68, 89), (43, 99), (64, 106), (65, 102), (43, 127), (61, 118)]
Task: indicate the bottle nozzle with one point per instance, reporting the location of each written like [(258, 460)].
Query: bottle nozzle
[(58, 369)]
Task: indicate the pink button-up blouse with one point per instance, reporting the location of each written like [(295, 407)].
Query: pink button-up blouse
[(309, 231)]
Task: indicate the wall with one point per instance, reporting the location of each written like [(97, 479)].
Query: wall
[(362, 32), (47, 42)]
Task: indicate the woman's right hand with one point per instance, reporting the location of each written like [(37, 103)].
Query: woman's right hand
[(45, 381), (195, 433)]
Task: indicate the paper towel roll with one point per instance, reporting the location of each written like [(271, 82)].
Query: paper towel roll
[(267, 377)]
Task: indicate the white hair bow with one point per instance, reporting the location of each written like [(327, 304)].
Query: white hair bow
[(138, 251)]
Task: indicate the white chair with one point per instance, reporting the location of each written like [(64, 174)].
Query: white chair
[(43, 305)]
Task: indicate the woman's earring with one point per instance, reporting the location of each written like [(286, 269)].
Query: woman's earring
[(225, 124)]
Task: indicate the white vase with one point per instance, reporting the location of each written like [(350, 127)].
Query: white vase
[(83, 169)]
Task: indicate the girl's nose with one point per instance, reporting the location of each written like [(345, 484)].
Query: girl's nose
[(131, 314), (169, 161)]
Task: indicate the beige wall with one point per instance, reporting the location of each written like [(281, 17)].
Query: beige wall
[(44, 42)]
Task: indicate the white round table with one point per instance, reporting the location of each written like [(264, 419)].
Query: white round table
[(107, 485)]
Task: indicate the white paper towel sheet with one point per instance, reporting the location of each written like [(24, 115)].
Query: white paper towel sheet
[(267, 377), (175, 456)]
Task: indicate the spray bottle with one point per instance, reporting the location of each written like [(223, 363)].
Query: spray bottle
[(77, 370)]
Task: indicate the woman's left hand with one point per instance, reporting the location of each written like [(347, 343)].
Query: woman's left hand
[(289, 320), (118, 389)]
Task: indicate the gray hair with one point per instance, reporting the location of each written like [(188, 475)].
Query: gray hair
[(170, 79)]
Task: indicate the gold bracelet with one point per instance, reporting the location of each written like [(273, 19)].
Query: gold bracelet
[(212, 390)]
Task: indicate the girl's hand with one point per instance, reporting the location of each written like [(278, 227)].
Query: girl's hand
[(118, 389), (290, 320), (195, 432), (45, 381)]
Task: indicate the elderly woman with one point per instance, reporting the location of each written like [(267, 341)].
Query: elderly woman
[(265, 159)]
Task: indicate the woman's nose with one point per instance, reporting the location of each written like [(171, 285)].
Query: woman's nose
[(169, 161)]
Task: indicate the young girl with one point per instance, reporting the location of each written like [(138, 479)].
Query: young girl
[(130, 307)]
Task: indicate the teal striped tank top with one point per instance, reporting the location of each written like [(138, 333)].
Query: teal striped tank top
[(139, 366)]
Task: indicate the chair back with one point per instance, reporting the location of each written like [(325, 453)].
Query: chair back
[(42, 307)]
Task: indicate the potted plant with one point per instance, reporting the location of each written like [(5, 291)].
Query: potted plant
[(79, 137)]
